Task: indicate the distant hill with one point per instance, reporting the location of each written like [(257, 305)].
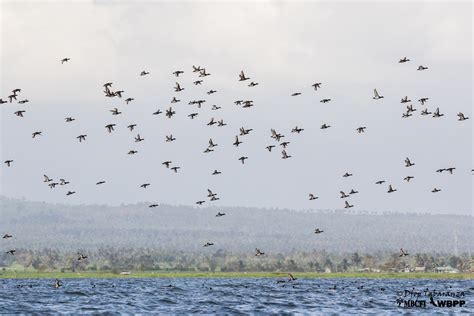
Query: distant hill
[(41, 225)]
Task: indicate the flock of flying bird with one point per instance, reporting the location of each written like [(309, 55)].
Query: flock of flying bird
[(109, 92)]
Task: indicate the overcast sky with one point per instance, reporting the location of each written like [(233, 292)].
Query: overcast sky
[(351, 48)]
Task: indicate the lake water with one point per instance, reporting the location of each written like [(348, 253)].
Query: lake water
[(252, 295)]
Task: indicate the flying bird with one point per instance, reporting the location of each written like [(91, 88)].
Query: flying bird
[(316, 85), (462, 117), (403, 60), (178, 88), (408, 163), (115, 111), (408, 178), (284, 155), (343, 195), (242, 76), (403, 253), (170, 138), (297, 130), (437, 114), (377, 95), (110, 127), (243, 158)]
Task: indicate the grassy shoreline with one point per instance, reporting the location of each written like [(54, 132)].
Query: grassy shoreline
[(8, 274)]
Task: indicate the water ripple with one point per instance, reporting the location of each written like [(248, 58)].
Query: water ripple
[(223, 296)]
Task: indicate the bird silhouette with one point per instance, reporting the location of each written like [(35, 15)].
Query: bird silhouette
[(462, 117), (423, 100), (408, 163), (115, 111), (408, 178), (110, 127), (403, 60), (284, 155), (377, 95), (269, 148), (178, 88), (243, 158), (437, 114), (242, 76), (403, 253), (316, 85)]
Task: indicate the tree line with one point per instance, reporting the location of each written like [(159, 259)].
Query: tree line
[(146, 259)]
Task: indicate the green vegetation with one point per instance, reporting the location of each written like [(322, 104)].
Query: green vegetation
[(10, 274), (144, 262)]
